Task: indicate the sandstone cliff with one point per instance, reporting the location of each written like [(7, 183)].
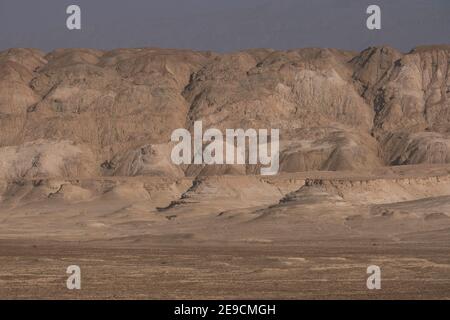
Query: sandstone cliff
[(112, 112)]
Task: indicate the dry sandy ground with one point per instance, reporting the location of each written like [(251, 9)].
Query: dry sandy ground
[(305, 271)]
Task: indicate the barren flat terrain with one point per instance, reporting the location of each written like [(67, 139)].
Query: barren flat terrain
[(307, 270)]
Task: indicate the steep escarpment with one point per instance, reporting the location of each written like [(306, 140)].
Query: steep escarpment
[(411, 97), (335, 109)]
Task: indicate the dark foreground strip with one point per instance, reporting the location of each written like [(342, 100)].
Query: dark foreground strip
[(266, 309)]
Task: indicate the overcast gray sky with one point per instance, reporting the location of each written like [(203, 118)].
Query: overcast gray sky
[(223, 25)]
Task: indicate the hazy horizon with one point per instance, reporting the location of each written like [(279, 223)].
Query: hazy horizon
[(223, 26)]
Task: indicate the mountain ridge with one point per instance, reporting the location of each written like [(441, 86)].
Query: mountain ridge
[(336, 109)]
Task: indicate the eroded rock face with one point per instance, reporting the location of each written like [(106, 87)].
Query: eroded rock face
[(47, 159), (112, 112)]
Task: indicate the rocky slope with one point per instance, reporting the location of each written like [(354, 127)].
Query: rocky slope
[(231, 209), (112, 112)]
